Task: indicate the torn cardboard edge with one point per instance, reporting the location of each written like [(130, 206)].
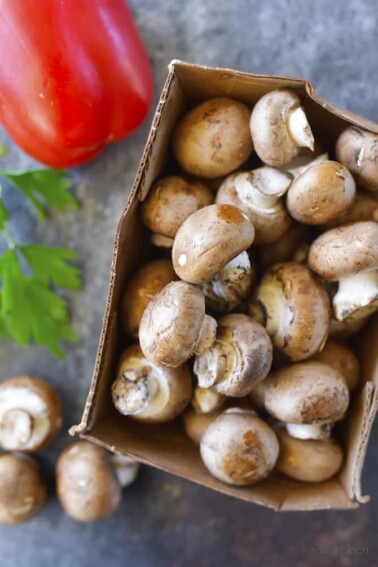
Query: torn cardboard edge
[(166, 447)]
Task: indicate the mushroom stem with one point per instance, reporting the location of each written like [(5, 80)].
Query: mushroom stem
[(16, 427), (309, 431), (135, 390), (212, 365), (207, 335), (300, 129), (270, 310), (357, 295), (261, 188)]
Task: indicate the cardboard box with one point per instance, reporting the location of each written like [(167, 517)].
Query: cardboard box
[(166, 447)]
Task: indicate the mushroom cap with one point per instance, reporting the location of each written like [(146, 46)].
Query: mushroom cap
[(295, 310), (240, 357), (345, 251), (346, 328), (239, 448), (30, 414), (167, 391), (308, 460), (171, 201), (208, 240), (342, 358), (86, 482), (258, 194), (195, 424), (306, 392), (148, 280), (322, 193), (171, 324), (283, 249), (269, 127), (213, 138), (357, 149), (22, 490)]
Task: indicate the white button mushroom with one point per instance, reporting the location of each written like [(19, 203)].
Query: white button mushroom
[(149, 392), (174, 325), (239, 448), (357, 149), (294, 308), (279, 128), (208, 240), (146, 282), (213, 138), (30, 414), (86, 482), (342, 358), (308, 460), (349, 254), (240, 357), (323, 192), (23, 492), (259, 193), (308, 392)]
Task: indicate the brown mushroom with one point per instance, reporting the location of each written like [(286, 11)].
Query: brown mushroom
[(213, 138), (357, 149), (149, 392), (208, 240), (364, 208), (86, 482), (349, 254), (147, 281), (323, 192), (239, 448), (30, 414), (195, 424), (22, 490), (240, 357), (342, 358), (346, 328), (284, 249), (279, 127), (294, 308)]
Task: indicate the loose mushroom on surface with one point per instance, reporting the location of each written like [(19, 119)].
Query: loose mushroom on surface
[(342, 358), (147, 281), (23, 492), (239, 448), (86, 483), (357, 149), (213, 139), (30, 414), (349, 254), (258, 193), (279, 127), (294, 308), (149, 392), (208, 240), (240, 357), (174, 326), (323, 192)]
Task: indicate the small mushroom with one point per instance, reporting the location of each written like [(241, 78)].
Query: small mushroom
[(231, 286), (294, 308), (126, 469), (149, 392), (171, 201), (349, 254), (195, 424), (86, 483), (23, 492), (208, 240), (174, 325), (30, 414), (147, 281), (279, 127), (309, 430), (240, 357), (308, 392), (323, 192), (364, 208), (258, 193), (308, 460), (342, 358), (239, 448), (207, 400), (284, 249), (213, 138), (357, 149)]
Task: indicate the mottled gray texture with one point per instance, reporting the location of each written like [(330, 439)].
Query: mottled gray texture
[(164, 521)]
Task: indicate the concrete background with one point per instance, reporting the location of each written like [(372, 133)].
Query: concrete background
[(164, 521)]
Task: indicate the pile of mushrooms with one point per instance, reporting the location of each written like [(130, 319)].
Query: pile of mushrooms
[(259, 275)]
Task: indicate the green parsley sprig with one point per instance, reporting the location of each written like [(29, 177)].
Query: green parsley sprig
[(30, 308)]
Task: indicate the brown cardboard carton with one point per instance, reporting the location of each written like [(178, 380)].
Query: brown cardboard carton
[(166, 446)]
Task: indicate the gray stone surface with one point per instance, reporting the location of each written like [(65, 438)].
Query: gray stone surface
[(165, 521)]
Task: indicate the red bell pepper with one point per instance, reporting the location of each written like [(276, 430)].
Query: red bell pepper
[(74, 75)]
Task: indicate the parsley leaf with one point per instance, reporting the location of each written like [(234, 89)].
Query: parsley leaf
[(50, 267)]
